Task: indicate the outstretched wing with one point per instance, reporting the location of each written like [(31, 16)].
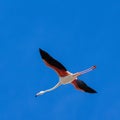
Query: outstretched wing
[(80, 85), (52, 63)]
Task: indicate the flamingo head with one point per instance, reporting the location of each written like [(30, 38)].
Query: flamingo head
[(40, 93)]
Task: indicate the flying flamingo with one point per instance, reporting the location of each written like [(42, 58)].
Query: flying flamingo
[(65, 77)]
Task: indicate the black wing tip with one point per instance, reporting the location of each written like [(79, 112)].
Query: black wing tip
[(40, 49), (93, 92), (90, 90), (43, 53), (85, 87)]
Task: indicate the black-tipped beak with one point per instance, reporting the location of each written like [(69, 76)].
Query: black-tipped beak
[(36, 95)]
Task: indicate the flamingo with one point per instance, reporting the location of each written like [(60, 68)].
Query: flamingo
[(65, 77)]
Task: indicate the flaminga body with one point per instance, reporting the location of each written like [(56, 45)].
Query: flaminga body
[(65, 77)]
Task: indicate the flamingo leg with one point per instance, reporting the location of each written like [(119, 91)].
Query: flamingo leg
[(87, 70)]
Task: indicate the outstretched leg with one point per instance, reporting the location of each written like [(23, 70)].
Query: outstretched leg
[(87, 70)]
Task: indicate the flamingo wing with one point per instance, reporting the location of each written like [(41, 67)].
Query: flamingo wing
[(80, 85), (53, 63)]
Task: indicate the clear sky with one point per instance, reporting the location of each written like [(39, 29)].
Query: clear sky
[(78, 33)]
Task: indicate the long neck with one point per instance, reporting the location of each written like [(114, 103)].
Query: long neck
[(57, 85)]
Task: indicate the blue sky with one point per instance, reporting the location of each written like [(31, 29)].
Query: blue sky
[(77, 33)]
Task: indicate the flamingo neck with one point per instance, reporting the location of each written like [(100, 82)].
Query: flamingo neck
[(56, 86)]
